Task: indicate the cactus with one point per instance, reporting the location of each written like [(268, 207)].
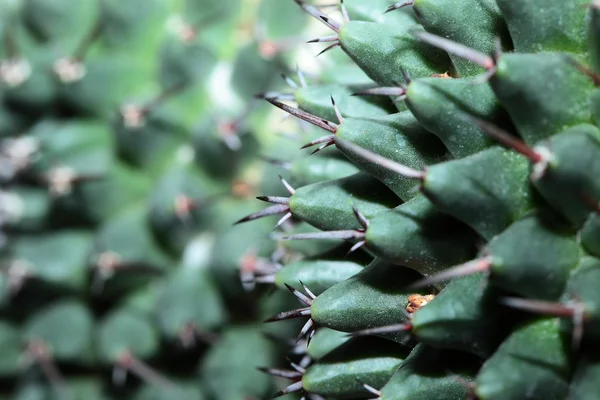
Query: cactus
[(480, 117), (129, 144)]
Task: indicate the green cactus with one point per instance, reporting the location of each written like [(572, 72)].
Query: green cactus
[(486, 266)]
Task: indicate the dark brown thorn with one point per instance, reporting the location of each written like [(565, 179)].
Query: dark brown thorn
[(344, 11), (362, 220), (310, 336), (349, 234), (399, 5), (385, 162), (272, 210), (289, 81), (275, 199), (275, 95), (299, 295), (39, 352), (143, 371), (281, 373), (324, 146), (332, 38), (591, 202), (460, 50), (381, 91), (326, 49), (539, 306), (294, 387), (507, 139), (369, 388), (312, 10), (298, 313), (287, 186), (338, 113), (308, 291), (308, 326), (303, 115), (322, 139), (402, 327), (469, 268)]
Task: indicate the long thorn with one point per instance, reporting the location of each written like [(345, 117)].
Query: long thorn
[(362, 220), (287, 186), (403, 327), (338, 113), (344, 11), (332, 38), (469, 268), (272, 210), (507, 139), (539, 306), (382, 161), (457, 49), (326, 49), (349, 234), (294, 387), (303, 115), (275, 199), (381, 91), (323, 139), (281, 373)]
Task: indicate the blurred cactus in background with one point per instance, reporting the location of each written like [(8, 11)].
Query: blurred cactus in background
[(130, 143)]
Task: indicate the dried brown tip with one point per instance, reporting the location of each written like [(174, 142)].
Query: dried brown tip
[(416, 301), (399, 5)]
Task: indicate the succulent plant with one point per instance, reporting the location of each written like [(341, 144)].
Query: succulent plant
[(480, 119), (121, 174)]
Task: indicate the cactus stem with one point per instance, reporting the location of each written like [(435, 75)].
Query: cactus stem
[(298, 313), (303, 115), (468, 268), (402, 327), (457, 49), (385, 162), (399, 4), (313, 11), (294, 387)]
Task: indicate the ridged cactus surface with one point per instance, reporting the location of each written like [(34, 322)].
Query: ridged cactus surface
[(458, 154)]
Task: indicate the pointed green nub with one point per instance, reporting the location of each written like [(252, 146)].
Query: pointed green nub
[(430, 373), (474, 23), (532, 363), (544, 93), (465, 316), (442, 105), (398, 137), (573, 171), (488, 191), (419, 236), (375, 297), (324, 341), (317, 168), (385, 52), (546, 25), (534, 256), (329, 205), (342, 372)]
